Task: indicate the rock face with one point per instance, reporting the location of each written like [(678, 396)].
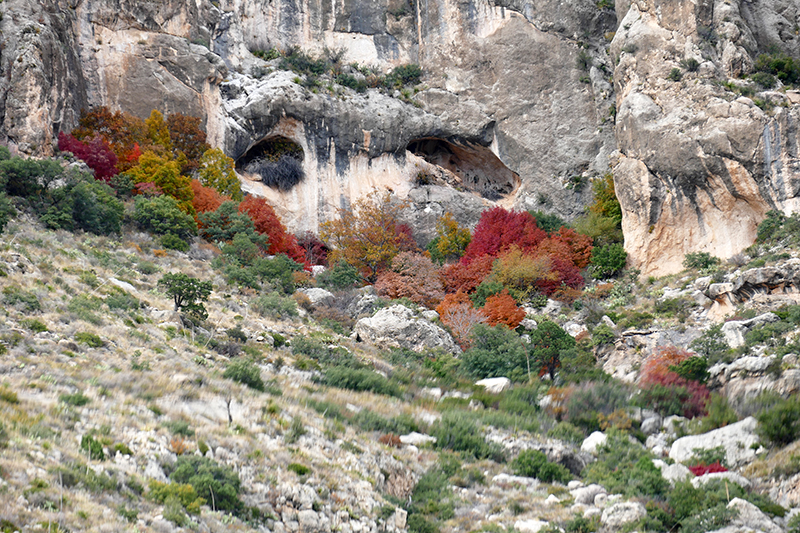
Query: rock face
[(699, 166), (398, 326), (518, 104), (737, 440)]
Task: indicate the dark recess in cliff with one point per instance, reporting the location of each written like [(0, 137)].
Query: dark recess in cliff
[(278, 160), (476, 166)]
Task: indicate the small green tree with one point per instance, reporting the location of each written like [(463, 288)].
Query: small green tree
[(162, 215), (608, 260), (187, 292), (548, 340)]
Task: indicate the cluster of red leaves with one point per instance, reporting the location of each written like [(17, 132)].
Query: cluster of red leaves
[(656, 373), (466, 277), (95, 152), (316, 251), (411, 276), (206, 198), (702, 469), (499, 229), (267, 223), (502, 309)]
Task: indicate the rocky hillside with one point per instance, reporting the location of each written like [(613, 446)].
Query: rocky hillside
[(337, 410), (520, 103)]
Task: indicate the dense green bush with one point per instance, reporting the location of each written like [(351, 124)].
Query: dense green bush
[(780, 65), (712, 345), (7, 211), (93, 449), (162, 216), (780, 424), (700, 260), (88, 205), (360, 379), (625, 467), (207, 477), (370, 421), (274, 305), (693, 368), (341, 276), (458, 432), (603, 335), (495, 352), (533, 463), (23, 300), (28, 178), (245, 372), (548, 342)]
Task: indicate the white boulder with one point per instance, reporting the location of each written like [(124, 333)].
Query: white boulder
[(494, 385), (737, 440)]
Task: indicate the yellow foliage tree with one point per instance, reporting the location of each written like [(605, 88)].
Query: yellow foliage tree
[(519, 272), (166, 175), (217, 171), (365, 235), (452, 239), (158, 131)]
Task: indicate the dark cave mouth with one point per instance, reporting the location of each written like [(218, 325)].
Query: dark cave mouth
[(476, 166), (277, 160)]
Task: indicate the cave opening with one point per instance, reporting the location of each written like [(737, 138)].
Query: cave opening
[(477, 168), (277, 160)]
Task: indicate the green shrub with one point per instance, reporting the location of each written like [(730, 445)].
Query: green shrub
[(456, 431), (675, 74), (275, 306), (119, 299), (712, 345), (495, 352), (720, 414), (93, 448), (206, 476), (34, 325), (21, 299), (702, 261), (77, 399), (187, 293), (780, 424), (567, 432), (90, 339), (296, 430), (603, 335), (369, 420), (28, 178), (297, 468), (179, 427), (403, 75), (533, 463), (170, 241), (625, 467), (341, 276), (88, 205), (7, 211), (360, 379), (691, 64), (693, 369), (780, 65), (764, 79), (245, 372), (184, 493), (162, 216)]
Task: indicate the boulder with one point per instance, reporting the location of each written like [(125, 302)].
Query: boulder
[(494, 385), (751, 517), (732, 477), (416, 439), (622, 513), (398, 326), (507, 480), (651, 425), (737, 440), (318, 296), (587, 495), (594, 440), (735, 330), (674, 472), (530, 526)]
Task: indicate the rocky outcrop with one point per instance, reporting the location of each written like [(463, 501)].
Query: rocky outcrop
[(737, 440), (398, 326), (765, 287), (699, 165)]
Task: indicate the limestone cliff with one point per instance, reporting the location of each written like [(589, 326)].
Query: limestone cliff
[(517, 103)]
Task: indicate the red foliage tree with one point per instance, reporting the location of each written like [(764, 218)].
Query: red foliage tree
[(498, 229), (188, 138), (657, 365), (466, 277), (316, 251), (122, 131), (412, 276), (205, 198), (580, 246), (96, 152), (502, 309), (660, 384), (267, 223)]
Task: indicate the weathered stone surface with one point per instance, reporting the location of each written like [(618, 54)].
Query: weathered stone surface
[(735, 330), (623, 513), (750, 516), (673, 473), (318, 296), (732, 477), (530, 526), (594, 440), (587, 495), (398, 326), (494, 385), (737, 440), (416, 439)]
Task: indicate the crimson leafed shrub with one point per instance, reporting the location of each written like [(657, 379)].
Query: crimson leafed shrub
[(316, 251), (669, 394), (205, 198), (96, 152), (266, 222), (466, 277), (498, 229), (701, 469)]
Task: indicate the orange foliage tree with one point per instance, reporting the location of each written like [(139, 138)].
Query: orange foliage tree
[(205, 198), (124, 132), (266, 222), (188, 138), (657, 365), (457, 313), (502, 309), (412, 276), (467, 276), (366, 234)]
